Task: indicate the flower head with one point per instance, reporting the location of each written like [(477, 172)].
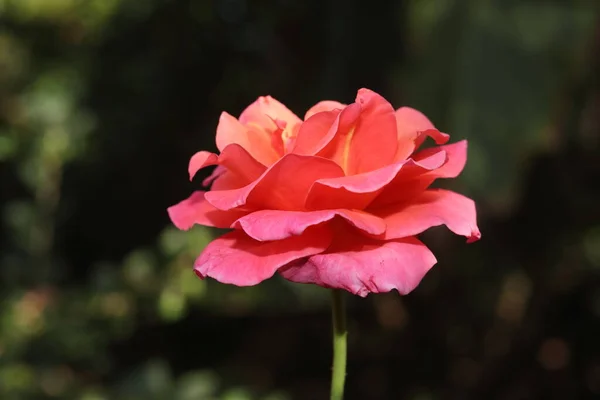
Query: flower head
[(336, 199)]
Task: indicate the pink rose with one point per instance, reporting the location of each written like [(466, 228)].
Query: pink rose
[(336, 200)]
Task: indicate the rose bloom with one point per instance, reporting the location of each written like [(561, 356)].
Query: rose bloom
[(336, 199)]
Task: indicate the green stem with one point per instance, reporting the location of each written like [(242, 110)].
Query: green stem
[(338, 375)]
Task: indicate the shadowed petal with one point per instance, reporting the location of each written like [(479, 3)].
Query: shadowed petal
[(238, 259), (217, 172), (276, 225), (196, 210), (283, 186), (362, 266), (431, 208)]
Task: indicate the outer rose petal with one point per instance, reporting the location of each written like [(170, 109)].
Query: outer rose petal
[(326, 105), (456, 159), (277, 225), (240, 260), (237, 160), (200, 160), (265, 110), (437, 136), (431, 208), (362, 266), (254, 139), (408, 184), (196, 210), (233, 158), (413, 129), (227, 181), (283, 186), (357, 191), (370, 142), (409, 123)]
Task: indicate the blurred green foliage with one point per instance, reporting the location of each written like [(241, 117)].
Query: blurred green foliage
[(103, 101)]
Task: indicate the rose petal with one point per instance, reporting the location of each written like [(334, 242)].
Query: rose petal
[(237, 160), (217, 172), (277, 225), (283, 186), (196, 210), (238, 259), (265, 110), (413, 128), (362, 266), (455, 162), (431, 208), (437, 136), (228, 181), (316, 133), (408, 184), (368, 143), (326, 105), (410, 122), (200, 160), (357, 191), (254, 139), (233, 158)]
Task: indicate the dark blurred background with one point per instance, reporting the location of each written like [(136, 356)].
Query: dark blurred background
[(102, 102)]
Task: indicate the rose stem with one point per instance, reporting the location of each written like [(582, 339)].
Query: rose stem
[(339, 345)]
